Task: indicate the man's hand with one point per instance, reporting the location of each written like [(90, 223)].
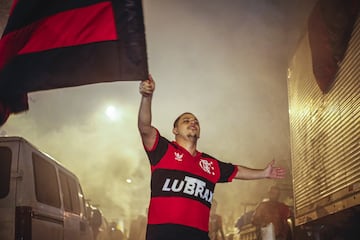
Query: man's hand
[(274, 172), (147, 87)]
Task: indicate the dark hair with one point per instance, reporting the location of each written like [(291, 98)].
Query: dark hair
[(178, 118)]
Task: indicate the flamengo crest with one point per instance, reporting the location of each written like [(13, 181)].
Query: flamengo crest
[(207, 166)]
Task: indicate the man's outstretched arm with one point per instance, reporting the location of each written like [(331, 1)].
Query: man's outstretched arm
[(147, 131), (270, 171)]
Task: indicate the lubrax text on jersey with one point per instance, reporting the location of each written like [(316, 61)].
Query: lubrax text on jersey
[(191, 186)]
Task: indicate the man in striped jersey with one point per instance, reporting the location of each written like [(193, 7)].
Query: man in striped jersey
[(183, 179)]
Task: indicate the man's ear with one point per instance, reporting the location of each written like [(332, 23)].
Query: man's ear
[(175, 131)]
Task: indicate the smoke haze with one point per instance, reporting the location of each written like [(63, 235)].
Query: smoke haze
[(225, 61)]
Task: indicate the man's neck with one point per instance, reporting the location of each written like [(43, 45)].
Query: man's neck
[(189, 145)]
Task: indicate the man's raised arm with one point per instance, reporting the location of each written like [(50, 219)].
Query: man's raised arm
[(147, 131)]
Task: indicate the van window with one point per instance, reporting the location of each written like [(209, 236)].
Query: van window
[(5, 171), (70, 193), (46, 184), (74, 195), (65, 191)]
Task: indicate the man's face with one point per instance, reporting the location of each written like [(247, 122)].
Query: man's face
[(187, 126)]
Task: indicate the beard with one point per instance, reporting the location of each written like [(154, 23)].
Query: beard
[(193, 136)]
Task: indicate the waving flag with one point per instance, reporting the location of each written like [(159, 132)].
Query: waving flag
[(65, 43)]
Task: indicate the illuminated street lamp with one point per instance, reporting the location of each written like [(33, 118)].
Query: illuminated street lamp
[(112, 113)]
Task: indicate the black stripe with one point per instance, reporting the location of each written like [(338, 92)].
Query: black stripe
[(156, 155), (130, 29), (174, 232), (67, 67), (161, 176)]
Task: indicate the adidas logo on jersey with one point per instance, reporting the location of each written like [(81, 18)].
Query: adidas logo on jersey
[(178, 156)]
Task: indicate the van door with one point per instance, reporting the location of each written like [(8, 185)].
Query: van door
[(76, 226), (8, 175), (47, 214)]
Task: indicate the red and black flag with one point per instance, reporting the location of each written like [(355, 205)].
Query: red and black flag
[(65, 43)]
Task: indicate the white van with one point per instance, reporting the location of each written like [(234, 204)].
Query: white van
[(39, 198)]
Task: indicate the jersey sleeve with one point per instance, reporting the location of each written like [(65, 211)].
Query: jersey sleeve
[(158, 150), (227, 172)]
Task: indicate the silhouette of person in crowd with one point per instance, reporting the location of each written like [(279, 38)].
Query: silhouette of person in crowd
[(271, 211), (216, 231)]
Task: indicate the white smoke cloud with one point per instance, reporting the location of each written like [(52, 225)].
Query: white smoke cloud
[(225, 61)]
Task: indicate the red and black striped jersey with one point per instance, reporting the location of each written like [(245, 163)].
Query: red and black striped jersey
[(182, 188)]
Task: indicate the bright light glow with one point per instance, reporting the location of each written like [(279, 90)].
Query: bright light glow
[(112, 113), (128, 180)]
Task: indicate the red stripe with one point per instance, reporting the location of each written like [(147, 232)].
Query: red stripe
[(74, 27), (85, 25), (177, 210)]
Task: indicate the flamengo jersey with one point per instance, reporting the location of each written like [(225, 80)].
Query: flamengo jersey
[(182, 188)]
